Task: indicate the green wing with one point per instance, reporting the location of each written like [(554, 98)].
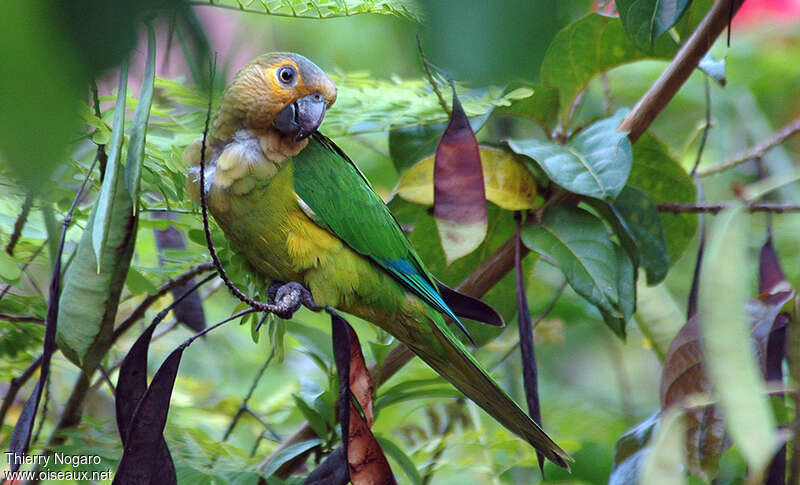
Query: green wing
[(344, 202)]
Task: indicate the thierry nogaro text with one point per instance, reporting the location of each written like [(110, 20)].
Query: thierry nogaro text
[(16, 460)]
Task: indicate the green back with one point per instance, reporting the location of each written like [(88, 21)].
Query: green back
[(344, 202)]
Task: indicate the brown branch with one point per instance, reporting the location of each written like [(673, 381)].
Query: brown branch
[(679, 70), (757, 151), (22, 218), (162, 290), (20, 318), (716, 207)]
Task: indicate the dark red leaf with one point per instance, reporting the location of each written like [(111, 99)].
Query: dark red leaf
[(340, 337), (143, 454), (367, 463), (458, 175), (530, 375), (360, 379), (190, 310), (459, 198), (770, 274)]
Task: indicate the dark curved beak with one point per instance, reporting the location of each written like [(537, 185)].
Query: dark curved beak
[(301, 118)]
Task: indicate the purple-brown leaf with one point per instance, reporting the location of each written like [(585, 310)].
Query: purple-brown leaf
[(368, 465), (360, 379), (459, 199)]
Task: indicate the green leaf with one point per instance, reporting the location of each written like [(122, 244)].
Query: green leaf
[(638, 215), (135, 157), (647, 20), (595, 163), (287, 454), (691, 19), (88, 305), (587, 47), (729, 359), (631, 451), (138, 283), (658, 316), (541, 107), (9, 269), (103, 206), (321, 9), (666, 462), (401, 458), (626, 287), (578, 243), (315, 419), (665, 180)]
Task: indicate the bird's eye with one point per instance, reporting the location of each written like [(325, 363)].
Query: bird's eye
[(286, 75)]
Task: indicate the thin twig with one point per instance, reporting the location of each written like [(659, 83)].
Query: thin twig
[(20, 318), (757, 151), (162, 290), (431, 80), (679, 70), (22, 218), (542, 315), (15, 384), (716, 207), (244, 405)]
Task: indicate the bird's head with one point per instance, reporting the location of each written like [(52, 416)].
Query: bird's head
[(281, 91)]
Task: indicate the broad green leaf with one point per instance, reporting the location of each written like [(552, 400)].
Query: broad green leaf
[(631, 452), (595, 163), (541, 107), (9, 269), (101, 224), (88, 304), (578, 243), (397, 454), (666, 461), (658, 316), (135, 156), (314, 418), (646, 20), (507, 182), (588, 47), (288, 453), (728, 350), (665, 180), (322, 9), (637, 213), (626, 286)]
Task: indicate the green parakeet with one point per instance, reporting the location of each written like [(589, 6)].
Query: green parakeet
[(299, 209)]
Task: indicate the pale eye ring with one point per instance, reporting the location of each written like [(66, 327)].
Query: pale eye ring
[(286, 75)]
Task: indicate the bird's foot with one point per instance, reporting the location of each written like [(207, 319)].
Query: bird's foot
[(289, 297)]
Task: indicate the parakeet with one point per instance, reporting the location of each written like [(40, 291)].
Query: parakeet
[(298, 209)]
